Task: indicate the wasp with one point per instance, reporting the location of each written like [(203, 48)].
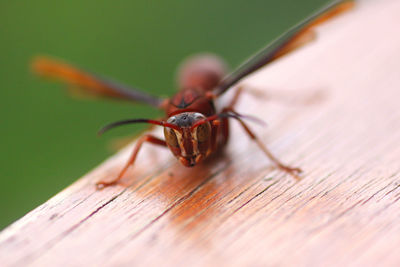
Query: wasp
[(193, 126)]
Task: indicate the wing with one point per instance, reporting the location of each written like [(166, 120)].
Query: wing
[(90, 83), (295, 37)]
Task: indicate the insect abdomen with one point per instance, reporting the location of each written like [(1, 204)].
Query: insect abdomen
[(202, 71)]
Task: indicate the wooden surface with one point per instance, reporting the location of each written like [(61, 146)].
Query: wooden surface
[(238, 210)]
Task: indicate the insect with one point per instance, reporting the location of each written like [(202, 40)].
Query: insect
[(193, 127)]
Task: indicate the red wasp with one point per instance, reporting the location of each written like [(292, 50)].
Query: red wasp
[(193, 127)]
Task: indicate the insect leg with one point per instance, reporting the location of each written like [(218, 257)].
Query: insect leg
[(290, 170), (310, 97), (254, 92), (235, 97), (146, 138)]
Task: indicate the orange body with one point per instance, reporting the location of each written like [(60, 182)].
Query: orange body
[(197, 77)]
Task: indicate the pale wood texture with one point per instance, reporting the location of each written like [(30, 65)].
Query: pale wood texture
[(238, 210)]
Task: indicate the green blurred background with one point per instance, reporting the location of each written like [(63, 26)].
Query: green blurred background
[(49, 140)]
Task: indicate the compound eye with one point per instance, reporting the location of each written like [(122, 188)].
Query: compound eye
[(170, 137), (203, 132)]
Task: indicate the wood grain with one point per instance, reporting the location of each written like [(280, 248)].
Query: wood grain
[(333, 110)]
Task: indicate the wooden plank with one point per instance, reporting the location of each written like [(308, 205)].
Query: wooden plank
[(236, 209)]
